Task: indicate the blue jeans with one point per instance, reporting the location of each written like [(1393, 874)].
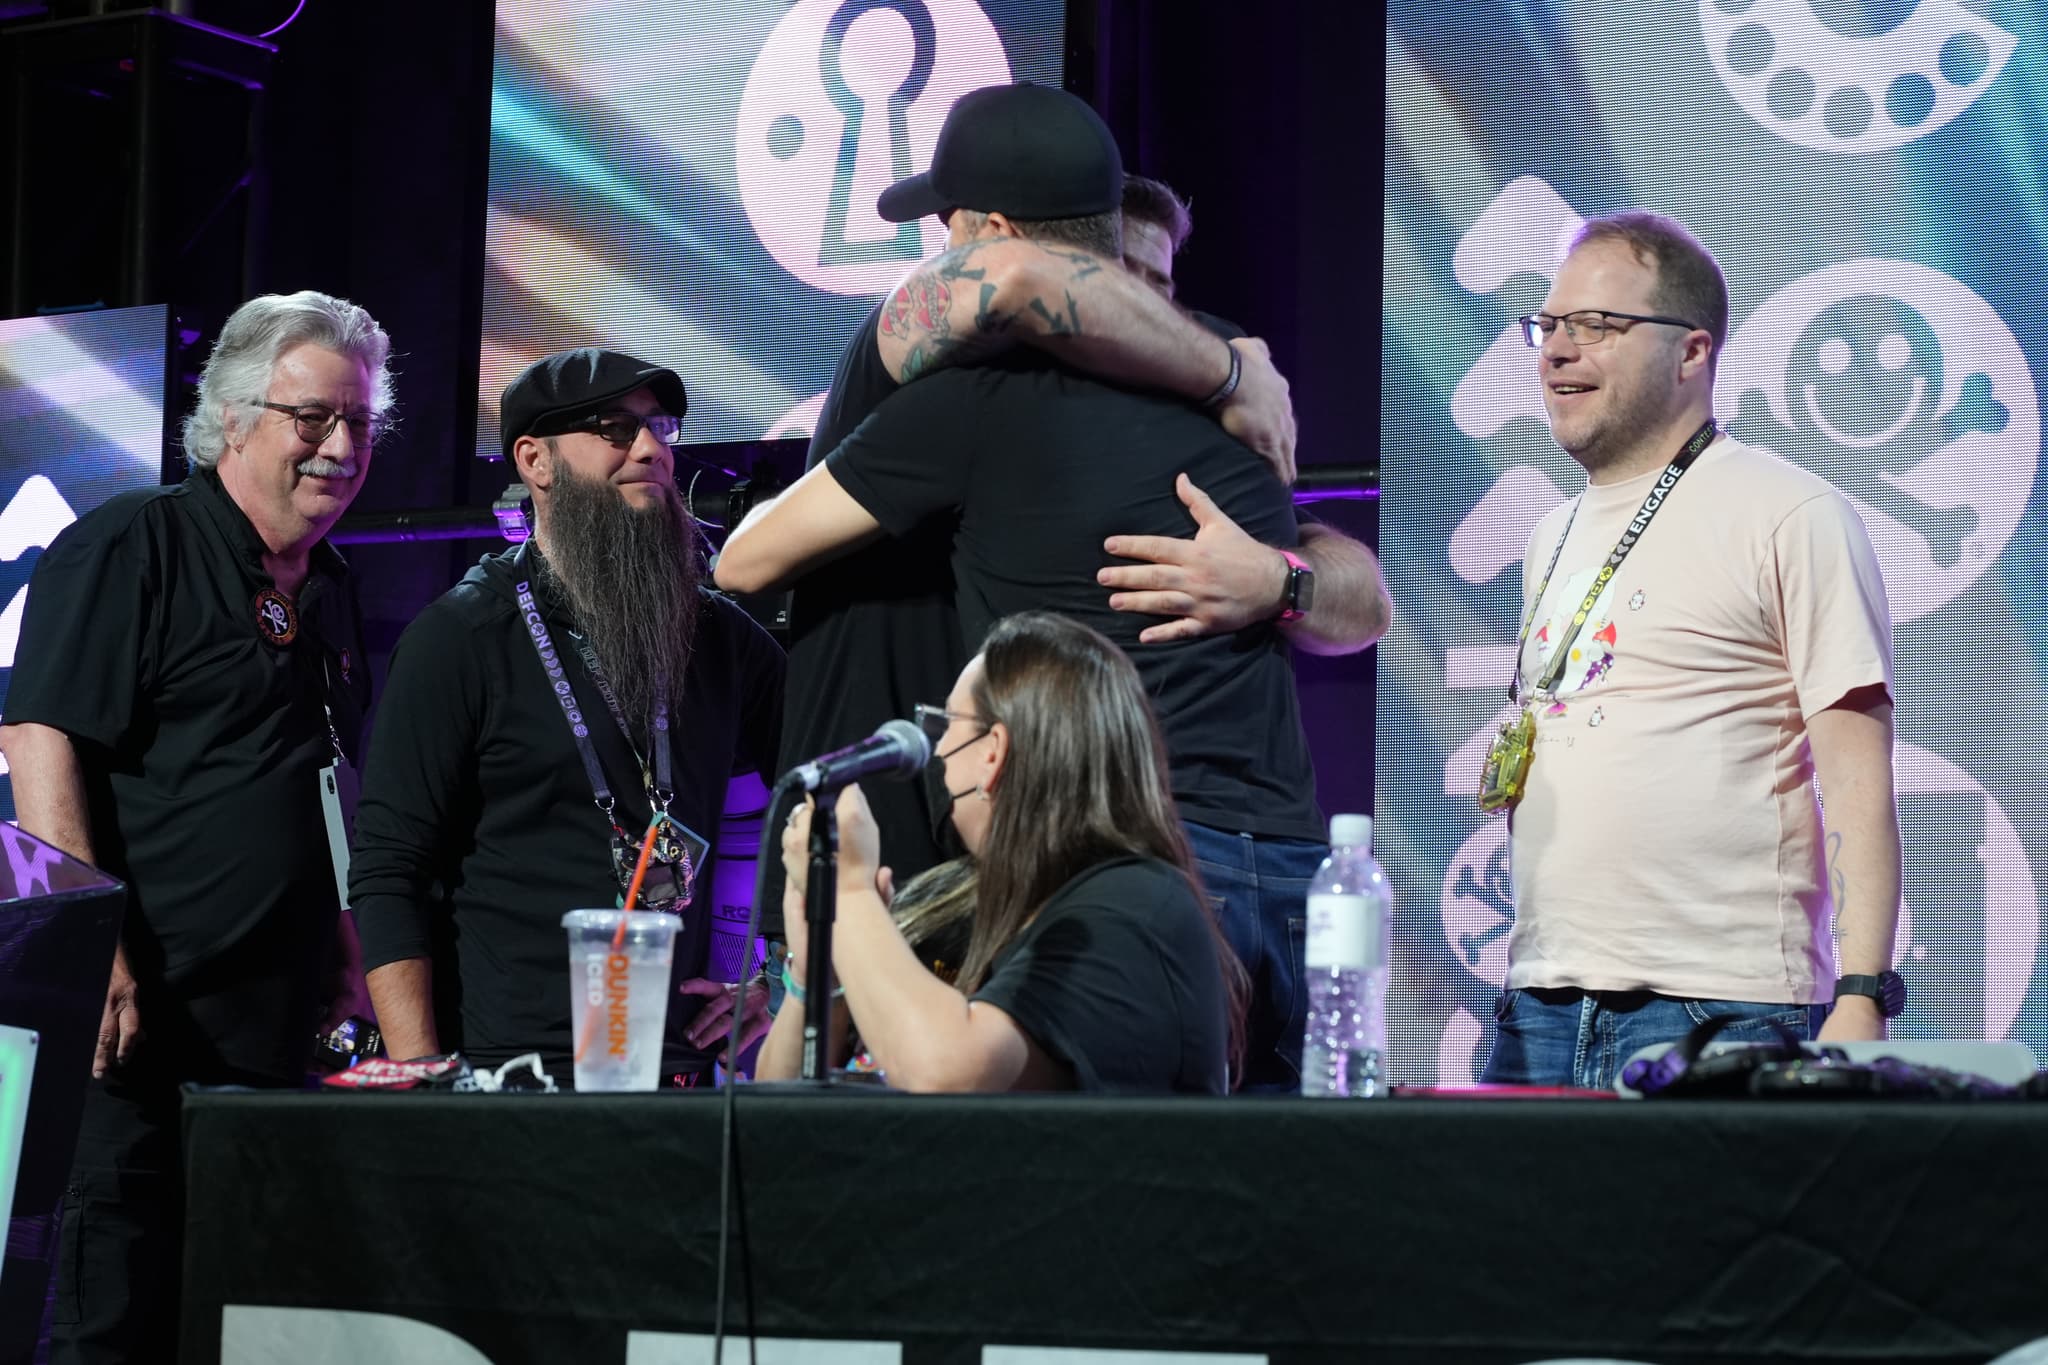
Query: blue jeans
[(1567, 1036), (1259, 886)]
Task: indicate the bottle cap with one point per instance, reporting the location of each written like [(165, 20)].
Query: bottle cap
[(1351, 831)]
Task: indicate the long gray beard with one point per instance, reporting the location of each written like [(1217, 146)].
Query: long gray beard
[(630, 579)]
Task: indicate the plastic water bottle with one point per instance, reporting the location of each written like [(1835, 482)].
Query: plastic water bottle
[(1349, 912)]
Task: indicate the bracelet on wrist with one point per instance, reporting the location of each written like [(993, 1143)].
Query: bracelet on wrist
[(794, 988), (1229, 385)]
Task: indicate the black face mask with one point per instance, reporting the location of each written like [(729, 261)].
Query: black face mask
[(939, 799)]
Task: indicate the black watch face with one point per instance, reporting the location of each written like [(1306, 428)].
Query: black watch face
[(1301, 589), (1891, 994)]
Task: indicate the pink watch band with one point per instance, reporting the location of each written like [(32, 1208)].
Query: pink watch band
[(1291, 612)]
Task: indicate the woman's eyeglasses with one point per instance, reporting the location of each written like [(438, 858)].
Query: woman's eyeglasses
[(933, 720)]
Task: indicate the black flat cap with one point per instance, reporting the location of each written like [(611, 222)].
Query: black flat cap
[(571, 384)]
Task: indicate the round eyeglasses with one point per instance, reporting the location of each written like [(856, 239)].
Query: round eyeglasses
[(316, 422)]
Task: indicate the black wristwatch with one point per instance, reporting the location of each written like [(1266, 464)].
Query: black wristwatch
[(1887, 988), (1301, 588)]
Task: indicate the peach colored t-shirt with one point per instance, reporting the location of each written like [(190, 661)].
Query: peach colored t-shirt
[(1669, 838)]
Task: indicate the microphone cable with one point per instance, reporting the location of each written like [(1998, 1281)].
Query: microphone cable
[(730, 1189)]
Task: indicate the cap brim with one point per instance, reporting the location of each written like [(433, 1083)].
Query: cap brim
[(908, 200)]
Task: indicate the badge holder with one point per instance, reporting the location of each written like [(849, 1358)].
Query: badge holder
[(673, 864), (339, 790), (1506, 773)]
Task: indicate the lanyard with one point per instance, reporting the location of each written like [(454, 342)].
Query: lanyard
[(327, 705), (1637, 525), (659, 793), (659, 789)]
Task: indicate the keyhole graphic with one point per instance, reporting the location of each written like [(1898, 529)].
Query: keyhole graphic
[(906, 244)]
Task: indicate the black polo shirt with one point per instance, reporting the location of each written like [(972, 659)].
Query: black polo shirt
[(194, 702), (872, 634), (1041, 465)]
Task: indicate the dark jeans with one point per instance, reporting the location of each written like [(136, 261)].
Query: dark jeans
[(1259, 886), (118, 1250), (1566, 1036)]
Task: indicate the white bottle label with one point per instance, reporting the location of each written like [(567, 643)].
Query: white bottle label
[(1340, 931)]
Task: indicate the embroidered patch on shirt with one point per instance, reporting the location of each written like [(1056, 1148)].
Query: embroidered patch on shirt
[(276, 617)]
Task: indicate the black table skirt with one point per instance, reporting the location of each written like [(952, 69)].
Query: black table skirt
[(548, 1228)]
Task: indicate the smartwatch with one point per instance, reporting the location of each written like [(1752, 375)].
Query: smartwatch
[(1887, 988), (1301, 588)]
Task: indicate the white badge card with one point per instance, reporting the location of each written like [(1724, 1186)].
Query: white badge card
[(338, 792)]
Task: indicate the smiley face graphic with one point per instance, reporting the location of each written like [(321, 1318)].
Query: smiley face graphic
[(1867, 372), (1906, 390)]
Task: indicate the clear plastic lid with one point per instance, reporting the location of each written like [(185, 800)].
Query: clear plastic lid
[(639, 923), (1351, 831)]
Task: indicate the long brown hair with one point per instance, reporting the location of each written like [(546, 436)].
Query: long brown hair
[(1085, 782)]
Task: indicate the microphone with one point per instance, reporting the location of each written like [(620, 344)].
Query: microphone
[(898, 750)]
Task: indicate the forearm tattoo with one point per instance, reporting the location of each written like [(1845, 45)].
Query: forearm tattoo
[(920, 311), (1838, 879)]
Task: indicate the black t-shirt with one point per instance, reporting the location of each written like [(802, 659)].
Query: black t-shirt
[(200, 738), (477, 829), (1043, 465), (1117, 977), (871, 635)]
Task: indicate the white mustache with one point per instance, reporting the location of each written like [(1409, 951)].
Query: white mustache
[(320, 467)]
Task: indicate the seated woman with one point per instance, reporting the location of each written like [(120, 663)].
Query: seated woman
[(1093, 962)]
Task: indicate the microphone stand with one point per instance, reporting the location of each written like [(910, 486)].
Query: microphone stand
[(821, 906)]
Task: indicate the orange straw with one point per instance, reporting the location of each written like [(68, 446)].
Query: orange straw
[(619, 935)]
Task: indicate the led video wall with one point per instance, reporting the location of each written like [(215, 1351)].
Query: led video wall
[(695, 184), (81, 419), (1868, 173)]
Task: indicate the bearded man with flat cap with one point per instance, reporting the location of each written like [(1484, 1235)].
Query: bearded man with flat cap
[(485, 815)]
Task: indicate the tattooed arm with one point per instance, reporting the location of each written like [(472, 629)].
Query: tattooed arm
[(1852, 757), (995, 292)]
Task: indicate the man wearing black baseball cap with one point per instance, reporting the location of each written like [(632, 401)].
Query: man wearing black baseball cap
[(1028, 151), (538, 715), (1029, 181)]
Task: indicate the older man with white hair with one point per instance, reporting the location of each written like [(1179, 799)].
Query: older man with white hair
[(190, 661)]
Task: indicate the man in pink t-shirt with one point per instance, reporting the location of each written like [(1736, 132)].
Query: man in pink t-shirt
[(1669, 858)]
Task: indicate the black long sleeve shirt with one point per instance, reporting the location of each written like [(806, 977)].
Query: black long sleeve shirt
[(477, 829)]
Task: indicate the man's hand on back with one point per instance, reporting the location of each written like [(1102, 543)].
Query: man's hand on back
[(1222, 580)]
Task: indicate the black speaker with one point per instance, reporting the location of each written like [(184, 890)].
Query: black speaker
[(132, 161)]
